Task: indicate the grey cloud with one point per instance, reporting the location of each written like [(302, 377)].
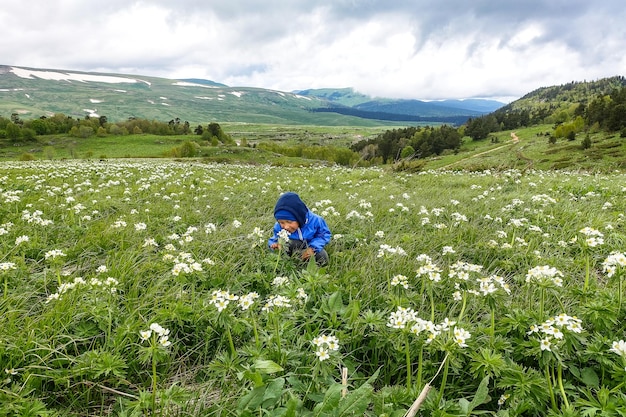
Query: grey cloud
[(250, 40)]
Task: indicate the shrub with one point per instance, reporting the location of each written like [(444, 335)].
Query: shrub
[(188, 149), (27, 157)]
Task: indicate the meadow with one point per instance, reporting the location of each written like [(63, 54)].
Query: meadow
[(145, 287)]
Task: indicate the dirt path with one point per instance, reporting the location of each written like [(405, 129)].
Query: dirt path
[(514, 139)]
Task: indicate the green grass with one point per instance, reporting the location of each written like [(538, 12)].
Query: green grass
[(80, 352), (533, 151)]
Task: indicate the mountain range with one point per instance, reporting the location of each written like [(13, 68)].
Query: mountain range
[(35, 92)]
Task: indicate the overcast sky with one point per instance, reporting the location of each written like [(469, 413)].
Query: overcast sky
[(423, 49)]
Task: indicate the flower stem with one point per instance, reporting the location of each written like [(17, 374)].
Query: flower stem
[(560, 381), (587, 271), (256, 333), (230, 342), (432, 303), (619, 294), (419, 367), (154, 375), (463, 305), (493, 324), (408, 360), (550, 389), (443, 382), (277, 336)]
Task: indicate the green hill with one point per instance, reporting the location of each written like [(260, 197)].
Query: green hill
[(35, 93), (32, 93)]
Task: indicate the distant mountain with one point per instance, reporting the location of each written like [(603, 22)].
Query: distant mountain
[(35, 92), (347, 97)]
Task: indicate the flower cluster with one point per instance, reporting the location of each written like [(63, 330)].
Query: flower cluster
[(184, 263), (257, 236), (619, 347), (460, 336), (246, 301), (54, 253), (108, 285), (389, 250), (462, 270), (406, 318), (428, 268), (487, 285), (276, 301), (325, 346), (6, 266), (550, 330), (158, 331), (543, 199), (35, 217), (545, 274), (400, 280), (221, 298), (283, 237), (280, 281), (593, 237), (301, 295), (614, 260)]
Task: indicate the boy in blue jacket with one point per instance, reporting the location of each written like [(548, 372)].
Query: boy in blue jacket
[(308, 232)]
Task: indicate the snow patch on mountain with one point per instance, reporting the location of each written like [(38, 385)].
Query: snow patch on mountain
[(72, 76)]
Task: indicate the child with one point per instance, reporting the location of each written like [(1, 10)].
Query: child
[(308, 232)]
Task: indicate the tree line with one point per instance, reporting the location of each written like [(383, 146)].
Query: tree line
[(410, 142), (16, 129)]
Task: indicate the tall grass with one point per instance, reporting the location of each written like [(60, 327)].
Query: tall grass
[(484, 287)]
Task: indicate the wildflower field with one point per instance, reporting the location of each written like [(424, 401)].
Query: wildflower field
[(136, 288)]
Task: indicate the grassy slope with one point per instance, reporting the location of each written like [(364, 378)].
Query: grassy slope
[(532, 151), (161, 99)]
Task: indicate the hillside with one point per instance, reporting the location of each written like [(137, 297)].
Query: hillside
[(552, 99), (32, 93)]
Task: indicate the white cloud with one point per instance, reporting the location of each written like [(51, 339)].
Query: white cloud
[(406, 48)]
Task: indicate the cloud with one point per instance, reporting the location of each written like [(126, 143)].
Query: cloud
[(424, 49)]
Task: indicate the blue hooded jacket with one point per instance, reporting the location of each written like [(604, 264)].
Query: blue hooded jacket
[(312, 228)]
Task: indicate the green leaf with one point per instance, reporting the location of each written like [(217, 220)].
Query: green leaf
[(331, 401), (255, 377), (482, 394), (273, 392), (335, 303), (464, 405), (252, 400), (590, 377), (356, 402), (267, 366), (290, 410)]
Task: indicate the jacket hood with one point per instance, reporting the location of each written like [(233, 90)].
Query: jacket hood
[(292, 203)]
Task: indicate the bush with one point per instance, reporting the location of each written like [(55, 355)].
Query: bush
[(188, 149), (27, 157), (414, 165)]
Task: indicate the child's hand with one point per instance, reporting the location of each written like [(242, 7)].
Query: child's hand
[(274, 246), (307, 253)]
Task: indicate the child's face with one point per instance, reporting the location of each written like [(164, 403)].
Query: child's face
[(289, 225)]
